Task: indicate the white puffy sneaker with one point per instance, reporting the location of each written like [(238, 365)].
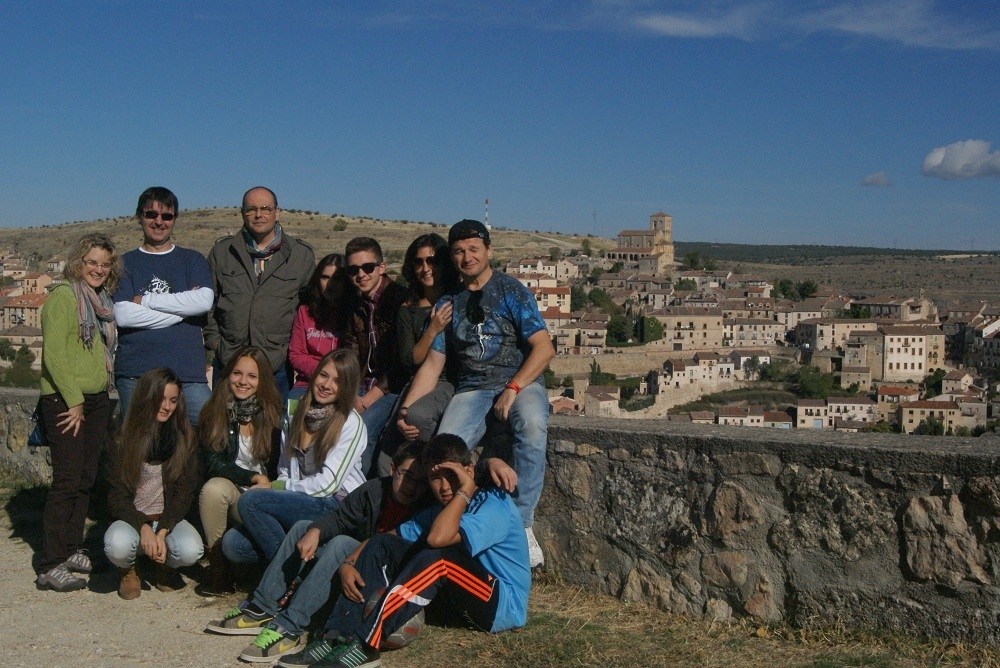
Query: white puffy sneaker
[(535, 556)]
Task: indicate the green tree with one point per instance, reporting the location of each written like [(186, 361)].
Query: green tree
[(598, 377), (596, 273), (555, 254), (751, 367), (617, 266), (806, 288), (813, 383), (785, 288), (339, 225), (649, 329), (691, 262), (883, 427), (7, 350), (551, 381), (586, 248), (577, 298), (860, 312), (686, 284), (20, 374), (618, 329), (930, 427), (932, 384)]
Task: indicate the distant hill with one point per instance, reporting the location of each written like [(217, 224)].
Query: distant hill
[(799, 254)]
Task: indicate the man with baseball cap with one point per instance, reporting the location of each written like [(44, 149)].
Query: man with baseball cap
[(499, 346)]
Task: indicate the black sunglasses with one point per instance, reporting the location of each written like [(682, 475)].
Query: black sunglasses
[(153, 215), (355, 269), (430, 261), (474, 308)]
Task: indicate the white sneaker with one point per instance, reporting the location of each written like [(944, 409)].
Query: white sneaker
[(535, 556)]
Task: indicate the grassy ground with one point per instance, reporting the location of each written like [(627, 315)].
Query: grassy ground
[(770, 399), (571, 627)]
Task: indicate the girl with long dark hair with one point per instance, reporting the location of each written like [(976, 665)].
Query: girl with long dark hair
[(152, 476), (318, 325)]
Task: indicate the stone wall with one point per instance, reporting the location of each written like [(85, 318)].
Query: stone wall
[(16, 407), (895, 533), (879, 531)]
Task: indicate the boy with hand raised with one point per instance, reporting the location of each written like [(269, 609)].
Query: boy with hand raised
[(468, 551)]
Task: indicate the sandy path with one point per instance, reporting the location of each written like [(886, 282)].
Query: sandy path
[(93, 627)]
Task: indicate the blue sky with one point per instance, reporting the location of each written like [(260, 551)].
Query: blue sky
[(771, 121)]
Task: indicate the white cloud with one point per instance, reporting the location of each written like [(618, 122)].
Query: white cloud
[(911, 22), (962, 160), (876, 180)]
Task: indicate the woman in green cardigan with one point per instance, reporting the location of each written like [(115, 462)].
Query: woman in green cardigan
[(78, 343)]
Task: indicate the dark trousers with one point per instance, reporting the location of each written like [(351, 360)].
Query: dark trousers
[(74, 469), (413, 575)]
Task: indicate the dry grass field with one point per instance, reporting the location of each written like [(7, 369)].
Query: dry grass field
[(201, 228)]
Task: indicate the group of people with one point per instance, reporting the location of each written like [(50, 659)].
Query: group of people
[(336, 435)]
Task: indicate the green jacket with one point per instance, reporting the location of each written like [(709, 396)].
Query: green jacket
[(68, 367), (249, 314)]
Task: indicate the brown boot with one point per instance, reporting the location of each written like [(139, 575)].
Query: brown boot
[(220, 573), (130, 586), (168, 579)]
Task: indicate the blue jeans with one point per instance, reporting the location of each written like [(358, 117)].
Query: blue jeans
[(121, 544), (466, 416), (195, 396), (375, 418), (267, 515), (313, 591)]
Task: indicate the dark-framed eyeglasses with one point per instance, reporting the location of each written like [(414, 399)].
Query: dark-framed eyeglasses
[(430, 261), (353, 270), (153, 215)]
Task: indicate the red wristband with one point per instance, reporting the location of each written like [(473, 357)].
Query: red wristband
[(513, 386)]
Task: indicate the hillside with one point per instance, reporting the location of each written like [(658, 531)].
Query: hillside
[(201, 228), (946, 276)]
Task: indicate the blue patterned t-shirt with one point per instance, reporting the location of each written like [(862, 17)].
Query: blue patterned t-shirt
[(487, 340)]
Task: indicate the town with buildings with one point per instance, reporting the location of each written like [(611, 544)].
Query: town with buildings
[(896, 362)]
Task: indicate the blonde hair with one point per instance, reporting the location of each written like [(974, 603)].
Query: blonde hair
[(87, 243), (348, 377)]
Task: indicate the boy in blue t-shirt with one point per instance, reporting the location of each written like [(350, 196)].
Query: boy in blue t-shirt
[(469, 551)]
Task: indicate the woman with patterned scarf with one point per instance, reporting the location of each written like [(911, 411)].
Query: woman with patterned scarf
[(240, 433), (320, 463), (78, 343)]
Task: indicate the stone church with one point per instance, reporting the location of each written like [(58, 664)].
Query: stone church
[(650, 251)]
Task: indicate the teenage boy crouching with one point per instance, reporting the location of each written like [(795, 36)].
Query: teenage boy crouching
[(467, 551)]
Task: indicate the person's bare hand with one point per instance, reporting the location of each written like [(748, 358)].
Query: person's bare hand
[(502, 474), (407, 430), (351, 583), (501, 407), (72, 419), (308, 544)]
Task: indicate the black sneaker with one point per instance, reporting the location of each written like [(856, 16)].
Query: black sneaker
[(314, 652), (60, 579), (356, 654)]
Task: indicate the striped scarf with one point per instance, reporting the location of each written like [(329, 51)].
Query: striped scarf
[(262, 255), (96, 312)]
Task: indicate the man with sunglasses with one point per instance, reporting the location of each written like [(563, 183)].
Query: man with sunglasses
[(498, 343), (257, 275), (161, 305), (371, 329)]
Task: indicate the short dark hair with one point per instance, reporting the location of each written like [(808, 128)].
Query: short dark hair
[(446, 448), (408, 450), (273, 196), (156, 194), (362, 244)]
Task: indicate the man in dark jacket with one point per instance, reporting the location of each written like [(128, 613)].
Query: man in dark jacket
[(257, 276), (377, 506), (371, 330)]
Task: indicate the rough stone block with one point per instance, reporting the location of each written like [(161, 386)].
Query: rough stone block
[(940, 546), (724, 569), (747, 463), (732, 509)]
